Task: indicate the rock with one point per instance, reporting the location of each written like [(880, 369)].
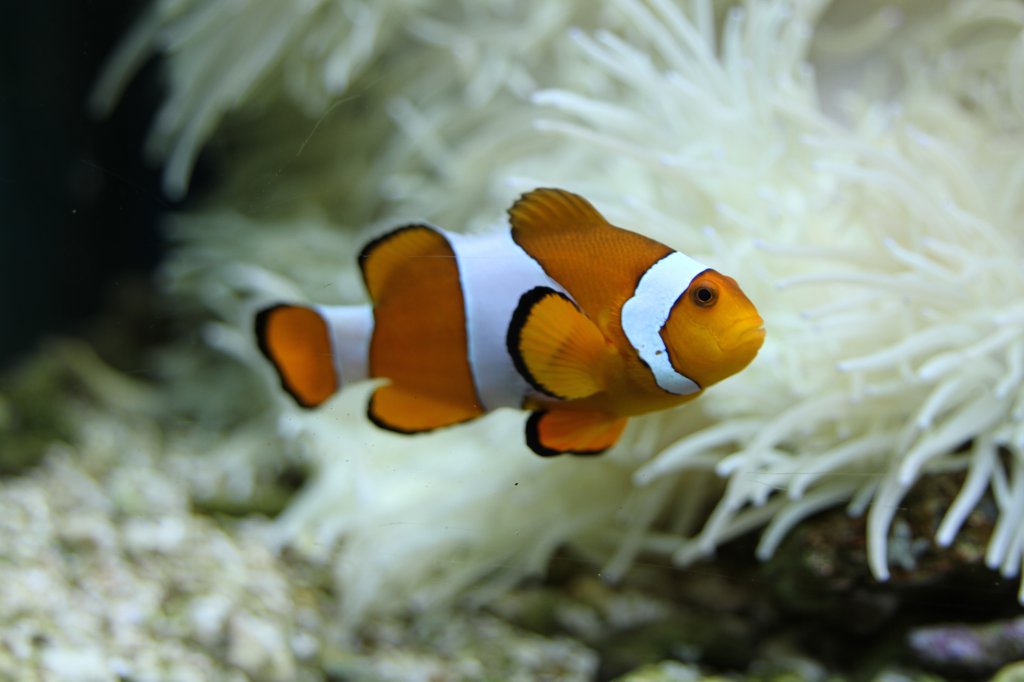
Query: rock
[(258, 647), (666, 671), (968, 649), (76, 664)]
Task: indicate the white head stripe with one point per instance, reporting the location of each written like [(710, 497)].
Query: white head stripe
[(646, 312)]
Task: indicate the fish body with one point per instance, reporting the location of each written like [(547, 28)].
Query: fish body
[(580, 322)]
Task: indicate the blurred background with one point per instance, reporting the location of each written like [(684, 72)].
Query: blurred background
[(78, 200)]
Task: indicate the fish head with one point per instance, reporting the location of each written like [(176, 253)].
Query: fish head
[(713, 330)]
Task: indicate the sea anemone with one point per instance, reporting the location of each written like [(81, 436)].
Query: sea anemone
[(856, 166)]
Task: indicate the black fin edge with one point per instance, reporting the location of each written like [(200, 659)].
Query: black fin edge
[(260, 327), (534, 443), (515, 329)]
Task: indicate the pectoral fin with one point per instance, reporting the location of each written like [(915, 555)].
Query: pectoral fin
[(557, 348), (580, 432)]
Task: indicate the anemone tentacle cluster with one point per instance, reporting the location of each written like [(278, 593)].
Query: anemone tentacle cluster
[(856, 166)]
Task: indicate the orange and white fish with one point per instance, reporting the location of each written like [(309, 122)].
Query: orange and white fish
[(583, 323)]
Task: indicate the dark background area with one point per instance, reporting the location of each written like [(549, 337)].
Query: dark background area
[(79, 205)]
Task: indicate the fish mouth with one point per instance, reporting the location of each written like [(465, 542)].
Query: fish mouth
[(747, 332), (753, 333)]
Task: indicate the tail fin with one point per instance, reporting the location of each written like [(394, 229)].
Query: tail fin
[(297, 340)]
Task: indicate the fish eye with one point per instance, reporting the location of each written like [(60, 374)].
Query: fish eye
[(704, 296)]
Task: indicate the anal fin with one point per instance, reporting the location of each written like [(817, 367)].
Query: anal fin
[(397, 408), (579, 432)]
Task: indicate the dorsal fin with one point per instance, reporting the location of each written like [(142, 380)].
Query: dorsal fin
[(419, 341), (550, 209), (598, 263), (390, 254)]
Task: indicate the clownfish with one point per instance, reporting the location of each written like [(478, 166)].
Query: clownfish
[(582, 323)]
